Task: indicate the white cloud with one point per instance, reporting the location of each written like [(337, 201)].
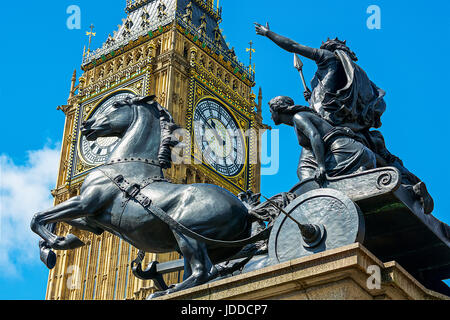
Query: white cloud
[(24, 191)]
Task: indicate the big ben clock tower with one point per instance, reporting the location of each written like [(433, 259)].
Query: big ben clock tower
[(173, 49)]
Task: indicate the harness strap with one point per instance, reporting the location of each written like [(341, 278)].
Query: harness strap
[(133, 191), (124, 160)]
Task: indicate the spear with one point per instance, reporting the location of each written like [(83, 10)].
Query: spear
[(298, 64)]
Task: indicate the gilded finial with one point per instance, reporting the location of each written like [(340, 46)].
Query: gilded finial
[(90, 34), (251, 50)]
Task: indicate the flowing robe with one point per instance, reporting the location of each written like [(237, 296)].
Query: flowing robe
[(343, 94)]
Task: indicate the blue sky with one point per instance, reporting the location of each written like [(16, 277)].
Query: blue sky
[(406, 58)]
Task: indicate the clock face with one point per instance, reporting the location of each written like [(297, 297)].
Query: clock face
[(219, 138), (97, 152)]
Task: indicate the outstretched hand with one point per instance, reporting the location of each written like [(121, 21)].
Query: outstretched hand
[(261, 30)]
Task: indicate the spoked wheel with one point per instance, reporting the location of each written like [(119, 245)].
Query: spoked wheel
[(324, 219)]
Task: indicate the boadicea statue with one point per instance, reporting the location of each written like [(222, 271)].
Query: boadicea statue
[(342, 95), (351, 189)]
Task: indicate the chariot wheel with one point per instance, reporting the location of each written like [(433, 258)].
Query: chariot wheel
[(324, 219)]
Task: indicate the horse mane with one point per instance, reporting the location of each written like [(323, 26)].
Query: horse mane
[(168, 127)]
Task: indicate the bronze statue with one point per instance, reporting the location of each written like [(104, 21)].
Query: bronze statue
[(129, 197), (343, 95), (327, 150), (341, 91), (351, 189)]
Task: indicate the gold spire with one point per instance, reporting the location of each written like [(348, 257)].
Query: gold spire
[(90, 34), (251, 50), (72, 84)]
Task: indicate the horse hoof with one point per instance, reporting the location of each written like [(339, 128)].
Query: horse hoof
[(48, 257)]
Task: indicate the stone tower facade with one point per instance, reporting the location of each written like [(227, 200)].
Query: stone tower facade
[(175, 50)]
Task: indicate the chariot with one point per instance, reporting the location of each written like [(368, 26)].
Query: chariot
[(371, 207)]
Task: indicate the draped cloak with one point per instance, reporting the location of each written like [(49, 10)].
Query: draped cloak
[(358, 105)]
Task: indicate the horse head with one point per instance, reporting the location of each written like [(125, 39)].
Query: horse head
[(136, 117), (115, 122)]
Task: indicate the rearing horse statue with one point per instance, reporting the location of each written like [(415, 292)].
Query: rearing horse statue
[(108, 197)]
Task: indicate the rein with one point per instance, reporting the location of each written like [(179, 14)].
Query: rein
[(141, 160), (134, 191)]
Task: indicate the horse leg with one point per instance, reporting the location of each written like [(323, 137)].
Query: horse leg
[(187, 269), (196, 257), (82, 224), (74, 208), (48, 257)]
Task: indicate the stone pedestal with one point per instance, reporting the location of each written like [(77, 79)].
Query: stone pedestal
[(347, 273)]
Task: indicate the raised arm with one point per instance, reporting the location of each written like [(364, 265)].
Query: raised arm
[(286, 43), (303, 124)]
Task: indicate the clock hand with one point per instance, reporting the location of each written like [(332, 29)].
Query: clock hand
[(216, 134)]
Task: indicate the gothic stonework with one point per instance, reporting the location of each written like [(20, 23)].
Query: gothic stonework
[(157, 50)]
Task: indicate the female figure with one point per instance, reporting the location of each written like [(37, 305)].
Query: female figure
[(341, 93), (327, 150)]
